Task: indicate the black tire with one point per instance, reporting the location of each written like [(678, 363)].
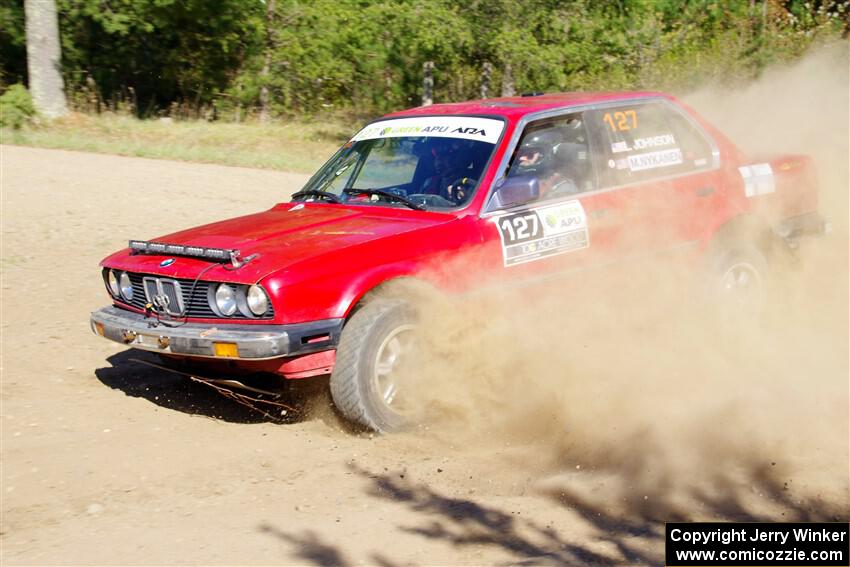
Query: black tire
[(356, 386)]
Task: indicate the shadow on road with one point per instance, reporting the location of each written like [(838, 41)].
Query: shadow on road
[(633, 532), (463, 523), (309, 547), (178, 392)]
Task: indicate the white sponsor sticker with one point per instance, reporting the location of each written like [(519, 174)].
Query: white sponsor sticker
[(654, 142), (758, 179), (618, 147), (644, 143), (653, 160), (466, 127), (539, 233)]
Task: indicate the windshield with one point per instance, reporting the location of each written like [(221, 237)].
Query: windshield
[(423, 162)]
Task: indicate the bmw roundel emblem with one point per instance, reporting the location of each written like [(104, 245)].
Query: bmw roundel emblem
[(166, 262)]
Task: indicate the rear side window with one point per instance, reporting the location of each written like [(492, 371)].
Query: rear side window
[(646, 141)]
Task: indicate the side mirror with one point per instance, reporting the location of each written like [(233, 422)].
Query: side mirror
[(516, 191)]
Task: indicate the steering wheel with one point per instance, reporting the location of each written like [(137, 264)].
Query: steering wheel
[(459, 189)]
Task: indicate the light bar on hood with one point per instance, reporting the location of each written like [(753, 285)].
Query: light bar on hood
[(217, 254)]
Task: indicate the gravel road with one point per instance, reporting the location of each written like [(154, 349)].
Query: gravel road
[(106, 461)]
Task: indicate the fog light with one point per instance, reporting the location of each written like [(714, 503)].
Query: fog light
[(226, 350)]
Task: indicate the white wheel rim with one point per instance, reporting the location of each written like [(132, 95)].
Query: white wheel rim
[(395, 347), (742, 283)]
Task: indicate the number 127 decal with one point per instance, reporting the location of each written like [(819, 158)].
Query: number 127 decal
[(520, 227), (538, 233), (625, 120)]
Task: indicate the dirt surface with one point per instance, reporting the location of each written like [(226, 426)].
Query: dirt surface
[(106, 461)]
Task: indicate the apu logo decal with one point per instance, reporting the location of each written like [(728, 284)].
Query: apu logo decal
[(166, 262)]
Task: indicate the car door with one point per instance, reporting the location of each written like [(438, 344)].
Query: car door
[(661, 175), (560, 231)]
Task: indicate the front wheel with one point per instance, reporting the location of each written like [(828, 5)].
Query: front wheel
[(372, 365)]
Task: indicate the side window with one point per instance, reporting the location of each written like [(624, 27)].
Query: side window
[(556, 152), (645, 141)]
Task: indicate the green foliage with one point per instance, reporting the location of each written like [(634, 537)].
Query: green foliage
[(223, 59), (156, 53), (16, 107), (369, 55), (13, 48)]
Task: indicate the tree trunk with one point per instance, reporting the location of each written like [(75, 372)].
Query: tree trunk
[(486, 74), (267, 63), (508, 81), (428, 83), (44, 56)]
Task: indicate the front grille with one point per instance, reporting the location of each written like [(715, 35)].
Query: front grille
[(193, 296), (168, 289)]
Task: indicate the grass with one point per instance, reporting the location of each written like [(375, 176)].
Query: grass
[(291, 146)]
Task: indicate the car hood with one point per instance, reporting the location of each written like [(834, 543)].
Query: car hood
[(280, 237)]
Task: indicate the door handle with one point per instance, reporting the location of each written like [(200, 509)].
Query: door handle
[(705, 191)]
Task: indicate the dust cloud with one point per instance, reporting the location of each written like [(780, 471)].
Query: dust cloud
[(622, 389)]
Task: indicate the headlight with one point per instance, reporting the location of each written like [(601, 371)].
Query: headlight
[(112, 283), (126, 286), (258, 301), (225, 300)]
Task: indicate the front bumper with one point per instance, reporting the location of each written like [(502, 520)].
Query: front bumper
[(224, 341)]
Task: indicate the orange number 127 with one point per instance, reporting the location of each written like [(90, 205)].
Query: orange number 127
[(625, 120)]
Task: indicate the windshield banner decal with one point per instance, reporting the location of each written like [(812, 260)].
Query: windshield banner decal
[(466, 127)]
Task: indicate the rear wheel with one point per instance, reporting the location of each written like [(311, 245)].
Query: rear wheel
[(739, 282), (372, 365)]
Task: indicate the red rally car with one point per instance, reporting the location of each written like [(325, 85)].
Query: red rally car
[(527, 185)]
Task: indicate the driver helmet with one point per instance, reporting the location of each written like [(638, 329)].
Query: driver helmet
[(536, 154), (449, 155), (444, 146)]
